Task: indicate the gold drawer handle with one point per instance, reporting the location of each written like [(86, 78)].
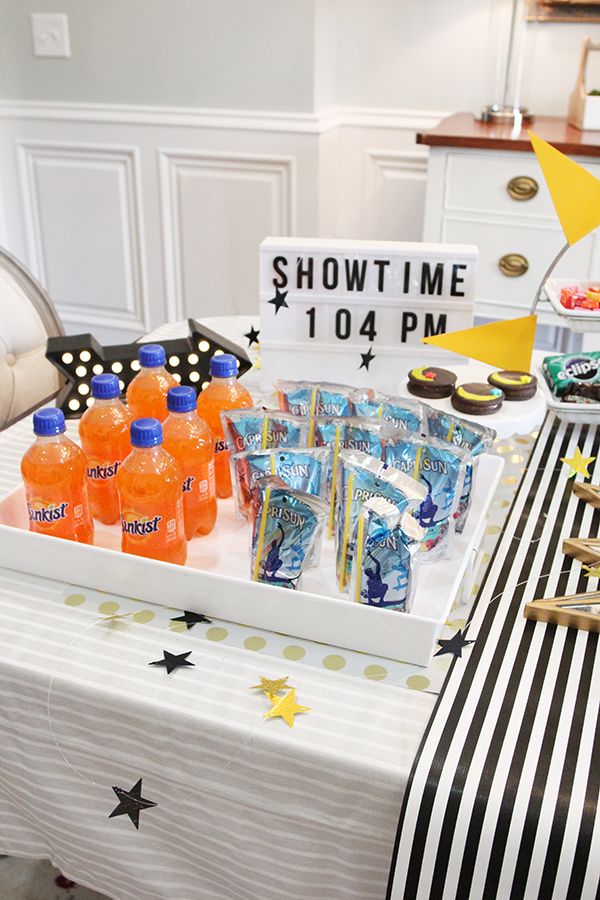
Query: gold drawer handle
[(522, 187), (513, 265)]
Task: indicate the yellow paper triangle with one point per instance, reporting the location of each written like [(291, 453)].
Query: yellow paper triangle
[(507, 344), (574, 191)]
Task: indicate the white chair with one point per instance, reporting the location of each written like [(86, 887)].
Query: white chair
[(27, 319)]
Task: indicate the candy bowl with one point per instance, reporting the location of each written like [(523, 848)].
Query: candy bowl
[(582, 318)]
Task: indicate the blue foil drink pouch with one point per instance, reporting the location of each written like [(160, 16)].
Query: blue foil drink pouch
[(334, 400), (303, 469), (285, 530), (305, 398), (441, 469), (361, 477), (469, 436), (297, 397), (350, 433), (384, 566), (405, 415), (262, 429)]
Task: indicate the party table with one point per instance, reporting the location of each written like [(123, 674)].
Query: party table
[(239, 806)]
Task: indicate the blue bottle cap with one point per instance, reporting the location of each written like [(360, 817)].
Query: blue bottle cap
[(105, 387), (151, 356), (181, 399), (48, 421), (146, 433), (223, 366)]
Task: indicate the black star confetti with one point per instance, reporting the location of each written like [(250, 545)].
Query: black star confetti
[(252, 336), (453, 645), (279, 300), (191, 619), (367, 359), (172, 661), (131, 803), (79, 356)]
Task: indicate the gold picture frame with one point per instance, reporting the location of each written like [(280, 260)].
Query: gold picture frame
[(573, 611), (563, 11)]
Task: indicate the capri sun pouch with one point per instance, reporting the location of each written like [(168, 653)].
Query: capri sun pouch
[(441, 469), (471, 437), (286, 531), (361, 477), (308, 398), (384, 570), (404, 414), (303, 469), (350, 433), (263, 429)]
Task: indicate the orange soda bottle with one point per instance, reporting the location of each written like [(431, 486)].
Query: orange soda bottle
[(147, 393), (189, 440), (54, 472), (149, 486), (104, 435), (223, 392)]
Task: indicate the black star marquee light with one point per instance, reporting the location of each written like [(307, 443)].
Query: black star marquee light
[(78, 357)]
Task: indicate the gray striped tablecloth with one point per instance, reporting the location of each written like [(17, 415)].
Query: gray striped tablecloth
[(247, 808), (502, 798)]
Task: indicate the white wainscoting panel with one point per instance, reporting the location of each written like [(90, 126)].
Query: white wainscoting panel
[(133, 216), (83, 226), (216, 210), (394, 199)]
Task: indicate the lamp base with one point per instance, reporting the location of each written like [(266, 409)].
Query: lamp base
[(505, 114)]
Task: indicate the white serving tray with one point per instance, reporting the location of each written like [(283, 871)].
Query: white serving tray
[(215, 580), (581, 320), (570, 412), (513, 417)]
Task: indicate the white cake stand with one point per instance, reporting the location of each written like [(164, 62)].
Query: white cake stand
[(514, 416)]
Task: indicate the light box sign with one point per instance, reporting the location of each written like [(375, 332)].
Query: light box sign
[(355, 311)]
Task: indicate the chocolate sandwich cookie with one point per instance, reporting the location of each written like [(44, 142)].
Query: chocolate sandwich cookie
[(513, 384), (431, 383), (477, 399)]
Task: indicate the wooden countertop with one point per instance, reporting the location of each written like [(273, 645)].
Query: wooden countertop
[(463, 130)]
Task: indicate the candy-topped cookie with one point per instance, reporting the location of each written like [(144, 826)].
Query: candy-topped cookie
[(431, 383), (513, 384), (477, 399)]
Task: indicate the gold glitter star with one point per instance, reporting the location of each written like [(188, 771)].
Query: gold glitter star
[(286, 707), (592, 572), (578, 463), (272, 686)]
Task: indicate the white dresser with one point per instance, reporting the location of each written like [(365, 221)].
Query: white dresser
[(485, 187)]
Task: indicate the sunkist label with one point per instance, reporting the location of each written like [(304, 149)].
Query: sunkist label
[(39, 511), (140, 526), (102, 471)]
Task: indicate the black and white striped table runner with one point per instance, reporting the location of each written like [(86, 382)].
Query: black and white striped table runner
[(502, 797)]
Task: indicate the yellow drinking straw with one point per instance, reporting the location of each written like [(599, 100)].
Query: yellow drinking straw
[(417, 463), (345, 535), (261, 534), (313, 402), (265, 431), (450, 432), (358, 558), (336, 453)]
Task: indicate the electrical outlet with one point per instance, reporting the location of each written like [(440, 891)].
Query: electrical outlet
[(50, 32)]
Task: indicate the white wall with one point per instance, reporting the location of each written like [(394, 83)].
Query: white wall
[(236, 54), (435, 54), (138, 177)]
